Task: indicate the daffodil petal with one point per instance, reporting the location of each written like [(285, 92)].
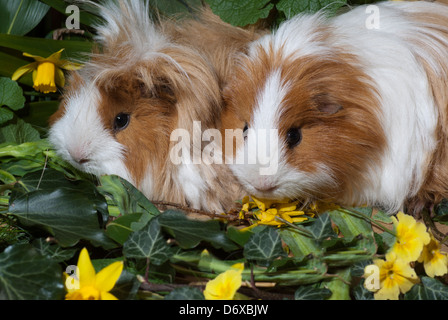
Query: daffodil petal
[(37, 58), (107, 277), (59, 78), (67, 65), (23, 70), (86, 272), (55, 57)]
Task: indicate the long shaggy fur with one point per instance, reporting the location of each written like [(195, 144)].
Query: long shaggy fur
[(371, 104), (165, 77)]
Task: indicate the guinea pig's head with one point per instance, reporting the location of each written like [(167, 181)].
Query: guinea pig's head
[(310, 121), (117, 113)]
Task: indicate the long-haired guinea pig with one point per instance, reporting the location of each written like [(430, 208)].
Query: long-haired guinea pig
[(148, 80), (351, 108)]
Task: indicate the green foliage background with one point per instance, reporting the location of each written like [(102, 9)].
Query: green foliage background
[(49, 211)]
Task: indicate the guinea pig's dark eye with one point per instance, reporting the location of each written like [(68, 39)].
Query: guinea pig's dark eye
[(245, 131), (121, 121), (293, 137)]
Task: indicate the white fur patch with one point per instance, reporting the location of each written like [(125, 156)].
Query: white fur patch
[(263, 140), (80, 134)]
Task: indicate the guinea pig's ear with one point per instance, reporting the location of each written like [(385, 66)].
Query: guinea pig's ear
[(325, 104)]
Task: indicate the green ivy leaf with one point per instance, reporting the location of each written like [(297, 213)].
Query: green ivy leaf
[(264, 246), (311, 293), (189, 233), (241, 13), (53, 250), (25, 274), (321, 228), (148, 243), (69, 211), (361, 293), (429, 289)]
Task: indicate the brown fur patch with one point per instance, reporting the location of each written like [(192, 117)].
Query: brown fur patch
[(348, 141)]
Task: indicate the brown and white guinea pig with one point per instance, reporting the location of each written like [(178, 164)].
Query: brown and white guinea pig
[(118, 113), (351, 108)]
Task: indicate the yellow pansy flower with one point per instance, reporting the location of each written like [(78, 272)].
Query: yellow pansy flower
[(395, 275), (89, 285), (411, 237), (225, 285), (47, 72), (434, 261)]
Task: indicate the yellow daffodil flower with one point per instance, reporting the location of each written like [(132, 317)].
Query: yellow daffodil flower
[(225, 285), (434, 261), (323, 206), (47, 72), (90, 285), (411, 237), (247, 206), (395, 276), (268, 217), (285, 209)]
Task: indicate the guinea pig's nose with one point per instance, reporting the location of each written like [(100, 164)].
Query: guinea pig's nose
[(82, 160), (79, 156), (265, 187)]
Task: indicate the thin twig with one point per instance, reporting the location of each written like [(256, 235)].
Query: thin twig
[(192, 210)]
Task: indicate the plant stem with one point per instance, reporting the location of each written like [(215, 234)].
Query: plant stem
[(368, 219)]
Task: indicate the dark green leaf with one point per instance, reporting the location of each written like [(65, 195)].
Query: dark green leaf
[(148, 243), (352, 224), (311, 293), (340, 285), (241, 13), (128, 199), (321, 227), (27, 275), (53, 250), (239, 236), (19, 133), (185, 293), (175, 7), (300, 245), (20, 16), (119, 229), (429, 289), (46, 47), (84, 17), (69, 211), (189, 233), (292, 8), (10, 63), (11, 94), (361, 293), (264, 246)]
